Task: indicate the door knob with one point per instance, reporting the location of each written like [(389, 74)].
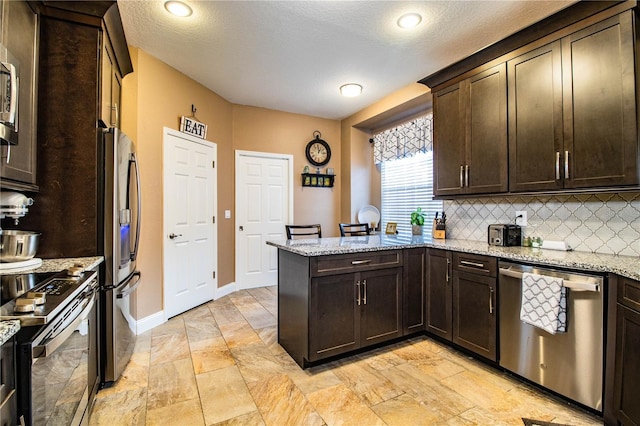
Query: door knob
[(241, 228), (172, 235)]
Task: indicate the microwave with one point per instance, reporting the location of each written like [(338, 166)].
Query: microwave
[(9, 95)]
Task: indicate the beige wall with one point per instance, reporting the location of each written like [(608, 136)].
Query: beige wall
[(361, 186), (155, 96), (264, 130)]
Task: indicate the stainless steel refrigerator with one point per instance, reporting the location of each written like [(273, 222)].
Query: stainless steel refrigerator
[(121, 240)]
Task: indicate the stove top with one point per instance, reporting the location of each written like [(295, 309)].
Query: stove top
[(36, 298)]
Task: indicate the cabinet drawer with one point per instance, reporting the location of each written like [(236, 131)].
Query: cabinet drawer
[(475, 264), (629, 293), (332, 264)]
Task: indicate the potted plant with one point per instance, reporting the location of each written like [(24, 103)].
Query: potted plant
[(417, 221)]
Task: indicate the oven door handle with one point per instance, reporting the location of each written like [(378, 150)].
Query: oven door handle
[(131, 289), (46, 349)]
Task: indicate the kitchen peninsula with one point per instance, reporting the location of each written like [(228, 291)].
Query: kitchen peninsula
[(341, 295)]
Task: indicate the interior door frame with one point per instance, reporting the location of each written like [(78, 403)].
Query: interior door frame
[(165, 228), (265, 155)]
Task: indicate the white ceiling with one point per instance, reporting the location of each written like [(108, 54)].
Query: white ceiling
[(294, 55)]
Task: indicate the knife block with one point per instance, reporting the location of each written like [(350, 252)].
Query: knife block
[(439, 230)]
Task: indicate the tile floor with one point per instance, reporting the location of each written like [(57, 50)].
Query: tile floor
[(220, 364)]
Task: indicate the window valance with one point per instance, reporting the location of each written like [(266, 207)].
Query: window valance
[(405, 140)]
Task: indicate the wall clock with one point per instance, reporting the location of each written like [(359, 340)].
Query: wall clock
[(318, 151)]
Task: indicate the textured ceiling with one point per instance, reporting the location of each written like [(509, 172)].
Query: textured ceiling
[(293, 55)]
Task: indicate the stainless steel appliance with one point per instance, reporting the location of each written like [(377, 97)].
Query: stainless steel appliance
[(569, 363), (121, 239), (504, 235), (56, 347), (9, 95)]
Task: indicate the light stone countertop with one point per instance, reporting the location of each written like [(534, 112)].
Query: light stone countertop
[(626, 266), (8, 329), (11, 327)]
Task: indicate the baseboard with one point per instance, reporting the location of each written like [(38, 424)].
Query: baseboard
[(224, 290), (147, 323), (154, 320)]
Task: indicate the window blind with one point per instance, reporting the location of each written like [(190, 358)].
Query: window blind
[(407, 184)]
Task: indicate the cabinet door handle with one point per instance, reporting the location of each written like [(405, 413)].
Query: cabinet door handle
[(566, 165), (358, 287), (466, 176), (448, 276), (472, 264), (491, 301), (364, 297), (557, 165), (461, 176), (360, 262)]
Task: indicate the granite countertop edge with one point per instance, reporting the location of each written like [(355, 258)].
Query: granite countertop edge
[(8, 329), (626, 266), (11, 327)]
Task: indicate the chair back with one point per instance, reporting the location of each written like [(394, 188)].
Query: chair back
[(303, 231), (352, 229)]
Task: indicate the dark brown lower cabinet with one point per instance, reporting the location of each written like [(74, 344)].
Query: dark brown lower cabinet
[(413, 290), (354, 310), (474, 313), (331, 305), (627, 364), (461, 300), (439, 313)]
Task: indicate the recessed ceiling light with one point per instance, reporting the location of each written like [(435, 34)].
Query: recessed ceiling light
[(350, 90), (409, 20), (178, 8)]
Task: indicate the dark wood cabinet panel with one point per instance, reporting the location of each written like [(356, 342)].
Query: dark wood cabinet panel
[(439, 294), (626, 371), (535, 119), (627, 375), (474, 313), (413, 291), (381, 318), (20, 27), (486, 165), (449, 140), (334, 316), (601, 146), (470, 135)]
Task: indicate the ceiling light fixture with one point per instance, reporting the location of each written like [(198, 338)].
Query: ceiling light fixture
[(178, 8), (350, 90), (409, 20)]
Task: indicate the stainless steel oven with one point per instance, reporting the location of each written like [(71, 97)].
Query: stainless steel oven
[(57, 348)]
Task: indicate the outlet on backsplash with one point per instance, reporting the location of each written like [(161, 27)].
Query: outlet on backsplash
[(521, 217)]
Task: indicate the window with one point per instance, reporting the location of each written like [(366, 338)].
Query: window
[(407, 184)]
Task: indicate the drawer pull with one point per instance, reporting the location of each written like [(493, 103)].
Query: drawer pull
[(472, 264), (360, 262)]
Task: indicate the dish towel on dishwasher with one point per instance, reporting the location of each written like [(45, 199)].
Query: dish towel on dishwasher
[(544, 302)]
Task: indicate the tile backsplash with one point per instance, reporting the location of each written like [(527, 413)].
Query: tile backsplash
[(597, 223)]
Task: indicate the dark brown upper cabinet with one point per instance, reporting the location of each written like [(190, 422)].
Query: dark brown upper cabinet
[(20, 37), (599, 105), (572, 111), (470, 135), (535, 119)]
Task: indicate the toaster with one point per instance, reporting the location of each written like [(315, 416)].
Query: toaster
[(505, 235)]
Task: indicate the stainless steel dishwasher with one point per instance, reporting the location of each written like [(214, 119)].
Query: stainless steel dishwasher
[(569, 363)]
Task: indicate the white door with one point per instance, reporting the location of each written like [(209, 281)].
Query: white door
[(264, 204), (190, 240)]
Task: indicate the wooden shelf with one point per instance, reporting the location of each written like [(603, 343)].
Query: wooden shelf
[(318, 180)]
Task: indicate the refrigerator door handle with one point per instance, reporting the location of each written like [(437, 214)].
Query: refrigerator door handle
[(125, 293), (134, 162)]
